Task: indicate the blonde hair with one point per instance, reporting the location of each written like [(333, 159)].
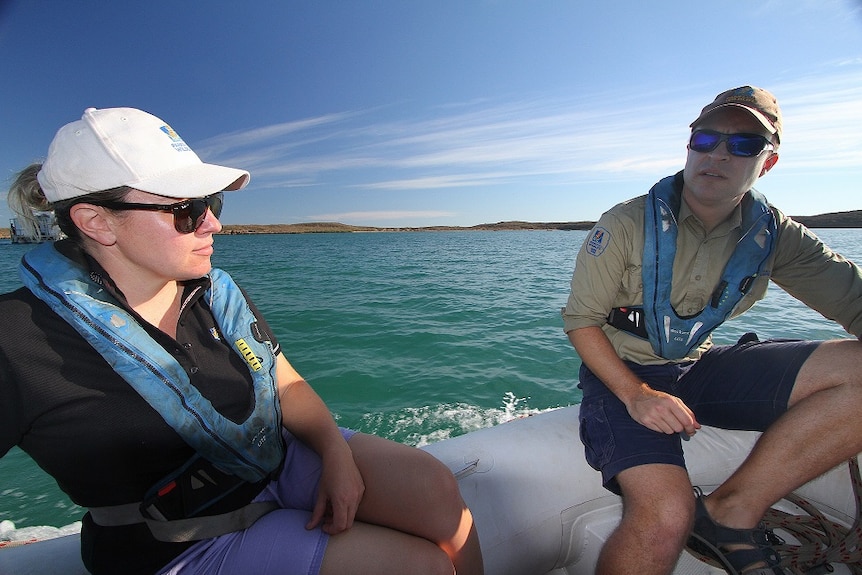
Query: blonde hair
[(26, 198)]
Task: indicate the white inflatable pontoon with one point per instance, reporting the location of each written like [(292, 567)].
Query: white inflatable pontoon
[(539, 508)]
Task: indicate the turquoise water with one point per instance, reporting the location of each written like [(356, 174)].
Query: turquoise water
[(415, 336)]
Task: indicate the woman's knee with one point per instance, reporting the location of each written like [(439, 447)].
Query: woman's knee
[(433, 561), (373, 549), (407, 489), (444, 508), (444, 482)]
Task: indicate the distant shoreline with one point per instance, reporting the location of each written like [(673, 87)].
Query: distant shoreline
[(834, 220), (335, 227), (851, 219)]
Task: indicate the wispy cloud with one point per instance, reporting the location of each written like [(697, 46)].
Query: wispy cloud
[(582, 137)]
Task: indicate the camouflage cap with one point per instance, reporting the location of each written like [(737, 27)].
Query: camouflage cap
[(758, 102)]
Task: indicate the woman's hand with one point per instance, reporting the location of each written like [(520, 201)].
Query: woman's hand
[(305, 415), (339, 493)]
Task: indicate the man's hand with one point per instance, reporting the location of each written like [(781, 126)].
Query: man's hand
[(661, 412)]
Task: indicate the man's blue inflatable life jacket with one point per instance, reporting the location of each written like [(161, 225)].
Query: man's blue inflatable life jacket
[(673, 336), (252, 449)]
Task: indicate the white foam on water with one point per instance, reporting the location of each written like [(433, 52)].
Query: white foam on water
[(419, 426)]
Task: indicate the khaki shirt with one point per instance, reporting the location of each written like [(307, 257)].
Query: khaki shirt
[(608, 274)]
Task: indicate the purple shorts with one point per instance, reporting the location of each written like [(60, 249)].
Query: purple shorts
[(742, 386), (278, 542)]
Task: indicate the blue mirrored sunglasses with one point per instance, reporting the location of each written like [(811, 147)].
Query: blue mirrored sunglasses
[(742, 145)]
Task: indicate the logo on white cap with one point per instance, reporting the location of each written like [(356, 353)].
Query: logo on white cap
[(178, 143)]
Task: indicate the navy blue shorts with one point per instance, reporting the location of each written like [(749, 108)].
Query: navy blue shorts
[(743, 386)]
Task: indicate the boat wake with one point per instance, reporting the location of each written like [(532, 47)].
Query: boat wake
[(421, 426)]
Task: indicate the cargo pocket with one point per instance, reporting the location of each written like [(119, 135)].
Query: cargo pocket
[(596, 434)]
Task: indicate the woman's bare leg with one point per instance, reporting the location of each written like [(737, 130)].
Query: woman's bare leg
[(367, 549), (410, 491)]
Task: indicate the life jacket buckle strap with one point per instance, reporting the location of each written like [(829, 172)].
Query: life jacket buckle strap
[(182, 530)]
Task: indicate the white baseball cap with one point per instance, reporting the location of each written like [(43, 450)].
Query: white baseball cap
[(116, 147)]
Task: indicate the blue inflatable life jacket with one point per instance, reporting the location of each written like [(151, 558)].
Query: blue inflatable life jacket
[(671, 335), (252, 449)]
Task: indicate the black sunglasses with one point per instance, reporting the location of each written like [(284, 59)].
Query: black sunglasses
[(189, 215), (742, 145)]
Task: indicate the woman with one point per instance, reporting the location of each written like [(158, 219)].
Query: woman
[(153, 391)]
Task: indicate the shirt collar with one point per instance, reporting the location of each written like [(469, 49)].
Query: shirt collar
[(731, 223)]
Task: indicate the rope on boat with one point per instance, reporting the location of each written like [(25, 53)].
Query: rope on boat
[(822, 541)]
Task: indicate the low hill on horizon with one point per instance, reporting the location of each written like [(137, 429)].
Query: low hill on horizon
[(336, 227), (852, 219)]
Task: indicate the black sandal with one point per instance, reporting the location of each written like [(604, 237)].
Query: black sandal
[(711, 539)]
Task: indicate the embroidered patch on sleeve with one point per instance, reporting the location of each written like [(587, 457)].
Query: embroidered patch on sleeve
[(600, 238)]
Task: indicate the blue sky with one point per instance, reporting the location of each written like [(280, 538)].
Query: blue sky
[(443, 112)]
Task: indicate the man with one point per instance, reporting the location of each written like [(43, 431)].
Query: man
[(654, 277)]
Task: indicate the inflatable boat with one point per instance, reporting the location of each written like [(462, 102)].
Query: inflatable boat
[(541, 510)]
